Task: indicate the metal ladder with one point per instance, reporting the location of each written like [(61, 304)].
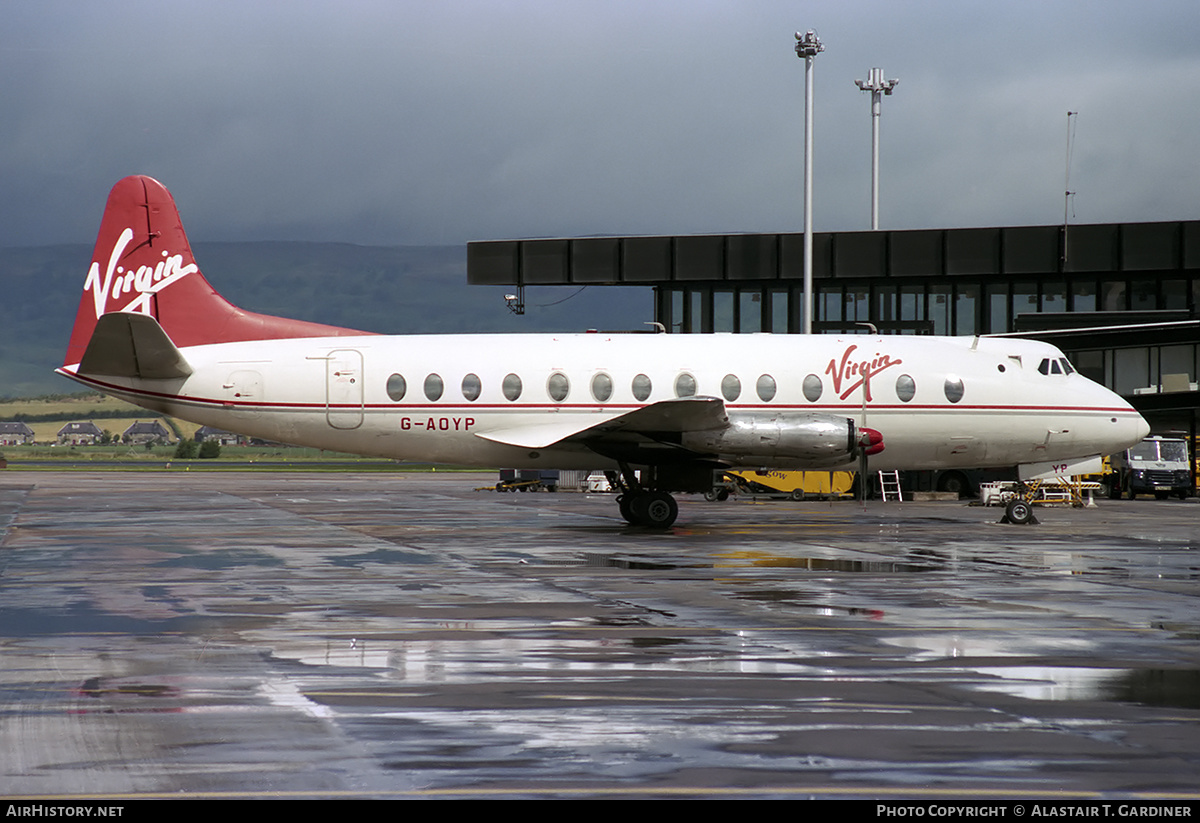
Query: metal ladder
[(889, 484)]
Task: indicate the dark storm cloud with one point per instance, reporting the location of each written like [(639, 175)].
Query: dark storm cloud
[(424, 122)]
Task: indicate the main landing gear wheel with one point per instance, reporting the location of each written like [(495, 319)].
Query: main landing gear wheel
[(654, 510), (625, 504), (1019, 512)]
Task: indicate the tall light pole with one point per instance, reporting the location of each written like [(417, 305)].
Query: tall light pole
[(1067, 187), (808, 46), (875, 84)]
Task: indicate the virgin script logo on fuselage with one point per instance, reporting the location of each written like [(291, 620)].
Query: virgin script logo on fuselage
[(140, 283), (846, 370)]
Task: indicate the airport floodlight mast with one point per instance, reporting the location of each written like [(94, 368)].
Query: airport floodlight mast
[(1067, 185), (808, 46), (876, 85)]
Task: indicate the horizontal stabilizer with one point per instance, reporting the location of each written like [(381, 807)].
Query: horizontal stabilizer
[(125, 344), (678, 415)]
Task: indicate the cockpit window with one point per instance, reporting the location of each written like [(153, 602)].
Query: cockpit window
[(1058, 365)]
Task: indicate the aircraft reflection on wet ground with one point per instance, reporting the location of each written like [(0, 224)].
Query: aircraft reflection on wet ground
[(401, 635)]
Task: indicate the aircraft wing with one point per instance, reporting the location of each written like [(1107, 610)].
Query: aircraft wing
[(678, 415)]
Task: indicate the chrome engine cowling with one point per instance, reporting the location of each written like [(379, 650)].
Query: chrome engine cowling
[(812, 439)]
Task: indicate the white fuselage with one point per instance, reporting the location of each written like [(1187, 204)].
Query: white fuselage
[(938, 402)]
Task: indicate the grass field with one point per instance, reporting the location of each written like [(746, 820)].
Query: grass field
[(84, 405), (47, 455), (110, 414)]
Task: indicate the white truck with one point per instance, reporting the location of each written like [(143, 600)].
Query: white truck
[(1157, 465)]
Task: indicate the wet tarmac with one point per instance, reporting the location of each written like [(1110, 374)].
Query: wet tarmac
[(403, 635)]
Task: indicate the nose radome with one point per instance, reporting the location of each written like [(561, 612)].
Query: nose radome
[(1143, 428)]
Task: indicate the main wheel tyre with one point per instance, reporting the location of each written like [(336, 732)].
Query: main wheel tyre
[(655, 510), (953, 482), (1019, 512), (625, 504)]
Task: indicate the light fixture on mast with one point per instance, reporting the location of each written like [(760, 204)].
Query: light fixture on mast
[(876, 85)]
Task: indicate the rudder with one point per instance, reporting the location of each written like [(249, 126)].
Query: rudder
[(143, 263)]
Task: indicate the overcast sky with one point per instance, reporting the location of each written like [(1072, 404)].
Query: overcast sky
[(409, 122)]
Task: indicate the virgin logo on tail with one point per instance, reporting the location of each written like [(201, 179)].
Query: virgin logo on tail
[(141, 283)]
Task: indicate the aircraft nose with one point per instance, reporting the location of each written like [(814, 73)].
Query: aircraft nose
[(1143, 428)]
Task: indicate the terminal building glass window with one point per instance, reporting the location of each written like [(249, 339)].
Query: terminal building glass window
[(997, 307), (778, 311), (939, 309), (1131, 370), (722, 311), (1054, 296), (966, 299), (912, 303), (1083, 295), (749, 312), (1174, 294)]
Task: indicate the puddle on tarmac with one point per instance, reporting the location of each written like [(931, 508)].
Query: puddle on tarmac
[(100, 686), (625, 562), (385, 556), (756, 559), (1174, 688), (417, 662), (1169, 688), (221, 560), (828, 564)]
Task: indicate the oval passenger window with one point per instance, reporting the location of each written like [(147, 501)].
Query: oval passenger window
[(396, 387), (434, 386)]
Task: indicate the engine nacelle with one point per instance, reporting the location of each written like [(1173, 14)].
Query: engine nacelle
[(757, 438)]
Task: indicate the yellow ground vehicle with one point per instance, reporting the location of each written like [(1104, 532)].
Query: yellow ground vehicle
[(797, 485)]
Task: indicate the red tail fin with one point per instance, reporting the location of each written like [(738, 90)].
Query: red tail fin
[(143, 263)]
